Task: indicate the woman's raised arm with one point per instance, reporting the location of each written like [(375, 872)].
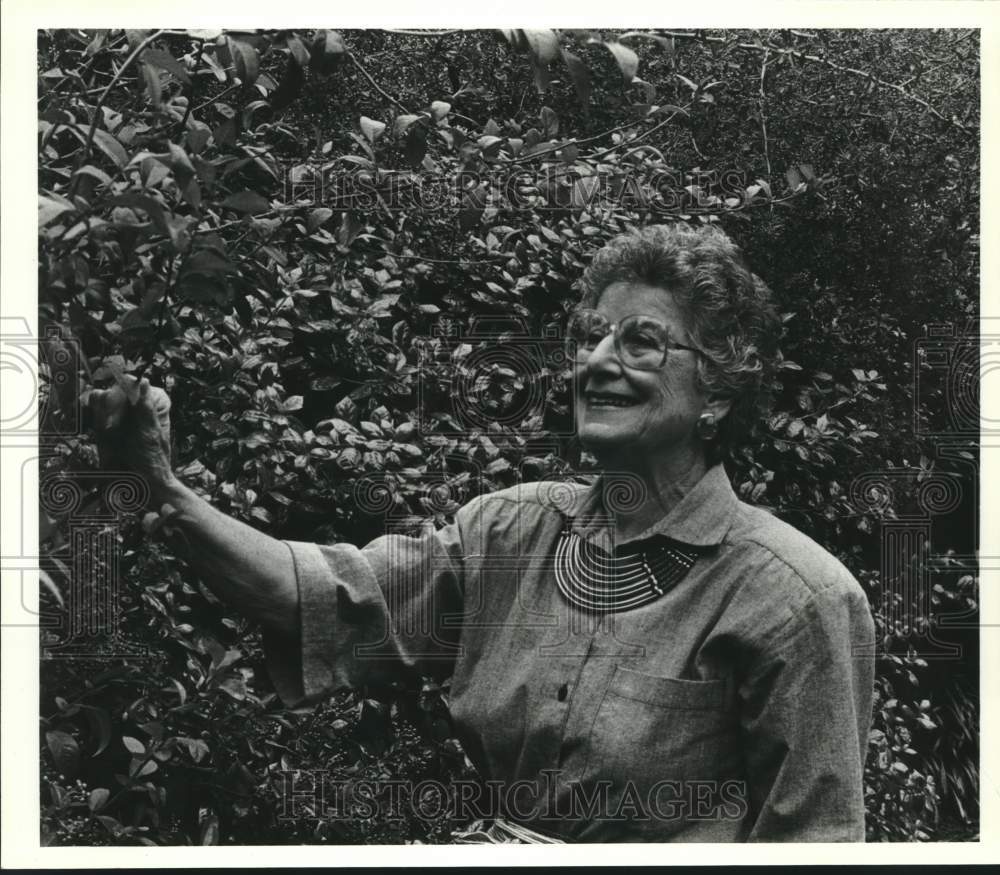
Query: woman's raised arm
[(249, 570)]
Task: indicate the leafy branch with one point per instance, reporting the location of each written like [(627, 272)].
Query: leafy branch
[(104, 95)]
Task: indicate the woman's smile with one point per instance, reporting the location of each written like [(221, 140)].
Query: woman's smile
[(602, 400)]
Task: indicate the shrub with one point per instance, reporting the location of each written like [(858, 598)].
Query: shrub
[(329, 359)]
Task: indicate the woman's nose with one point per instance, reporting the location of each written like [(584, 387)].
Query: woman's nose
[(603, 357)]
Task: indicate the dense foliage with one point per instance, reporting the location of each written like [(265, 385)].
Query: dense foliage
[(349, 256)]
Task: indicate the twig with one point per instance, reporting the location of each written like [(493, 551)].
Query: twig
[(816, 59), (419, 32), (471, 121), (600, 136), (161, 319), (454, 260), (218, 96), (100, 101), (694, 145), (194, 88), (634, 140), (763, 115), (375, 84)]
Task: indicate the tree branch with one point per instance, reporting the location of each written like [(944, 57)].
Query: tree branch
[(763, 115), (375, 84), (840, 68)]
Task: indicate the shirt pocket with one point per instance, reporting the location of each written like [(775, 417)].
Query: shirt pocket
[(649, 728)]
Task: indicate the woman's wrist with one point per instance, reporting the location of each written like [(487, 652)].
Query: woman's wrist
[(169, 490)]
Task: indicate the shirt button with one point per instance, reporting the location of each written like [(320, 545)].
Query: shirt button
[(563, 693)]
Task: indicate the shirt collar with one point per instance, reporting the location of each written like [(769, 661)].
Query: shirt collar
[(701, 519)]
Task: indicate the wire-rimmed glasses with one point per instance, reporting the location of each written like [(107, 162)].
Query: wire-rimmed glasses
[(641, 342)]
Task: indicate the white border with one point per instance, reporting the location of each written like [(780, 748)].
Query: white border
[(18, 647)]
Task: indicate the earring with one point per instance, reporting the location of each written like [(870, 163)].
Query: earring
[(707, 427)]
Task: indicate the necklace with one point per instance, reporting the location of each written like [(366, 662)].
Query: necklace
[(595, 580)]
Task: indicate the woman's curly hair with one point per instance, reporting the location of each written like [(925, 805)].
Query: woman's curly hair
[(728, 309)]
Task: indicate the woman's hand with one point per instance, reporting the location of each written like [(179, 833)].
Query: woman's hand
[(243, 566), (134, 435)]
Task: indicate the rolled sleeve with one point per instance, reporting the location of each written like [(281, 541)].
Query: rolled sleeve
[(806, 714), (368, 615)]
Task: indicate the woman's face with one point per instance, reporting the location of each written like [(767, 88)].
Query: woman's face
[(651, 414)]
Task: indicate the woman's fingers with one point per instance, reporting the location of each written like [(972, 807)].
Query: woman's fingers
[(153, 407), (108, 407)]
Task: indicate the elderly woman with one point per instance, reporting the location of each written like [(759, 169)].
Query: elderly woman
[(646, 658)]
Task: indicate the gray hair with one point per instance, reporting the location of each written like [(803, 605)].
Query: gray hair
[(728, 309)]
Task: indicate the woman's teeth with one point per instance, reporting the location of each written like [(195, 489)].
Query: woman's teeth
[(597, 401)]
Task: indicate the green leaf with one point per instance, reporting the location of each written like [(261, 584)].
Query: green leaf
[(580, 75), (350, 227), (65, 751), (95, 172), (317, 217), (99, 722), (135, 37), (628, 61), (166, 61), (583, 193), (113, 825), (151, 75), (328, 52), (402, 122), (372, 129), (249, 202), (497, 466), (209, 831), (196, 748), (177, 160), (149, 205), (415, 148), (98, 797), (50, 585), (439, 109), (473, 207), (298, 51), (140, 771), (543, 44), (550, 121), (290, 87), (245, 60), (234, 684), (133, 745), (110, 147), (50, 208)]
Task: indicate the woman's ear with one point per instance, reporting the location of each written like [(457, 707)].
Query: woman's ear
[(718, 406)]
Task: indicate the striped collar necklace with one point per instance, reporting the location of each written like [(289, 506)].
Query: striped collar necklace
[(598, 581)]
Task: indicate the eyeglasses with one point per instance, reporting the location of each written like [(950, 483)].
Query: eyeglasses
[(641, 342)]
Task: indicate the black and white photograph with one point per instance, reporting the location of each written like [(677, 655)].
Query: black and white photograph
[(451, 435)]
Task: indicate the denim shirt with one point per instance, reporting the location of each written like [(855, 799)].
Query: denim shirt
[(736, 707)]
